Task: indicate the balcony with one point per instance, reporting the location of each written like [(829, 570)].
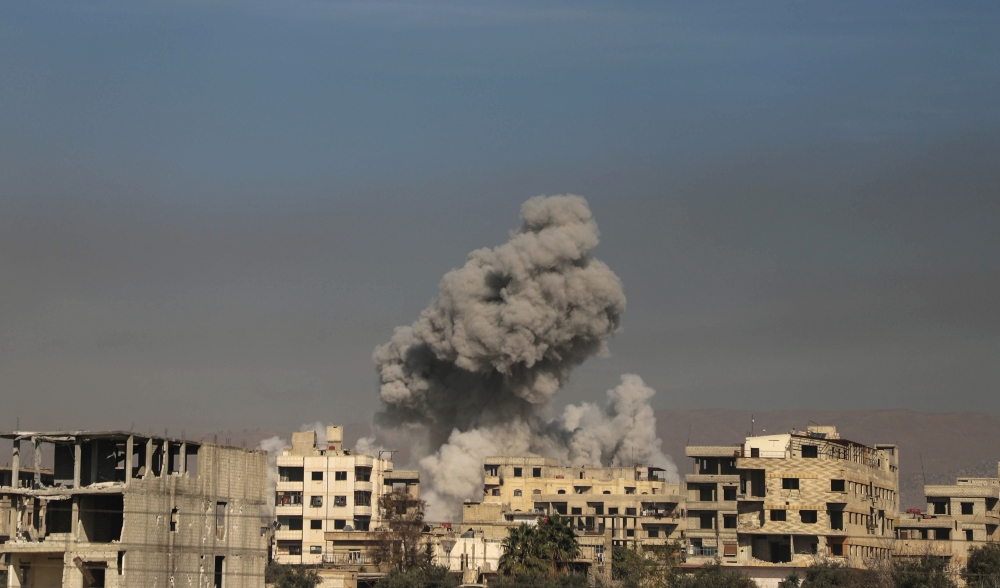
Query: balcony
[(728, 505), (695, 551), (363, 486), (286, 534), (288, 509), (289, 486), (362, 511), (491, 481), (712, 478)]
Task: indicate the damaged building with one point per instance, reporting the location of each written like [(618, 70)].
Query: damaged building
[(776, 504), (121, 509)]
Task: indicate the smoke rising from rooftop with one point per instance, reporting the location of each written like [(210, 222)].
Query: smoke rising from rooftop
[(473, 375)]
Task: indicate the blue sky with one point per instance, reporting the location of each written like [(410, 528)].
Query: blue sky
[(211, 200)]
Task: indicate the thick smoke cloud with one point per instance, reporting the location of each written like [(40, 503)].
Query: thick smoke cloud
[(472, 376)]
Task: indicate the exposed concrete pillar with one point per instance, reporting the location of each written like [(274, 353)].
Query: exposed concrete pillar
[(77, 462), (36, 446), (149, 458), (15, 464), (75, 517), (165, 458), (182, 469), (129, 448), (43, 511)]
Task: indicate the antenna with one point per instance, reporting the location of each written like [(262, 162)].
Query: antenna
[(922, 473), (689, 434), (751, 424)]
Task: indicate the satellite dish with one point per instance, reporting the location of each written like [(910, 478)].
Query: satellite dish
[(348, 528)]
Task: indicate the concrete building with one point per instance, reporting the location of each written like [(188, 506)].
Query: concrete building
[(959, 517), (128, 510), (777, 503), (326, 500), (608, 506)]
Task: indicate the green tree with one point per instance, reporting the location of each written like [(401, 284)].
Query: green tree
[(645, 568), (546, 547), (791, 581), (926, 572), (290, 576), (713, 576), (428, 576), (400, 544), (834, 575), (983, 567)]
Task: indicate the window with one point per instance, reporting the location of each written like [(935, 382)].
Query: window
[(173, 520), (706, 521), (755, 452), (220, 570), (363, 474), (966, 508), (561, 491), (316, 525), (836, 519), (777, 515), (729, 548), (789, 483), (629, 511), (536, 472), (290, 523), (940, 508), (315, 501), (492, 470), (836, 485), (517, 492), (496, 492), (220, 520), (315, 549), (577, 510), (652, 532), (317, 476), (837, 549), (968, 535), (362, 498), (706, 494), (613, 510), (807, 516), (630, 532), (729, 521), (729, 493), (810, 451), (517, 472), (340, 501), (942, 534), (338, 524), (290, 474), (339, 476), (560, 507), (629, 490)]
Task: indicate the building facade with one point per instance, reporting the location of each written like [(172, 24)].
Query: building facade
[(326, 499), (958, 517), (127, 510), (779, 502)]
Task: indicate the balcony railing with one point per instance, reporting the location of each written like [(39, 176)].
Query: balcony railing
[(696, 551), (348, 560)]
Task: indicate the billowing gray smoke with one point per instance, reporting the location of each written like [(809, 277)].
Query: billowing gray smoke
[(472, 376)]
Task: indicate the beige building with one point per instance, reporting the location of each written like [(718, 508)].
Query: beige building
[(779, 502), (607, 506), (959, 517), (121, 509), (326, 500)]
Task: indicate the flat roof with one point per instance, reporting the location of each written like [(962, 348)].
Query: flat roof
[(56, 436)]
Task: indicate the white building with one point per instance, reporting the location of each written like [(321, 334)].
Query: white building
[(326, 492)]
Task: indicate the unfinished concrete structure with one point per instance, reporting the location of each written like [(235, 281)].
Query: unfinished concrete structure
[(326, 503), (779, 502), (959, 517), (129, 510)]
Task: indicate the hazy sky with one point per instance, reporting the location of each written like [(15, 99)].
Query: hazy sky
[(211, 211)]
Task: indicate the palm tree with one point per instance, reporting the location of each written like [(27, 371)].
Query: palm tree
[(543, 548), (558, 541)]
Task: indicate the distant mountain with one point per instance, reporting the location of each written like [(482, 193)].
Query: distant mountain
[(948, 444)]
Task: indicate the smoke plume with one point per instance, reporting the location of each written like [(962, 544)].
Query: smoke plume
[(474, 374)]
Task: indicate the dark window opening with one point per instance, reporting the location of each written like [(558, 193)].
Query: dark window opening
[(629, 511), (968, 535), (560, 507), (339, 476), (290, 523), (536, 472), (362, 498), (613, 510), (340, 501), (837, 549), (362, 474), (729, 521), (121, 563), (102, 517), (290, 474), (653, 532), (808, 516), (706, 521), (338, 524), (59, 517), (97, 572), (942, 534), (789, 483), (317, 476), (191, 465), (220, 570), (777, 515), (706, 493), (729, 493), (173, 520), (362, 523), (220, 520), (316, 525), (577, 510), (836, 485), (940, 508), (810, 451), (966, 508), (836, 519), (754, 452), (517, 472)]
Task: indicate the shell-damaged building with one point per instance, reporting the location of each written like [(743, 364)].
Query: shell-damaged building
[(121, 509)]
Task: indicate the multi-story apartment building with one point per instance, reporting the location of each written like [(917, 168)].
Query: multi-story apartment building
[(120, 509), (326, 499), (959, 517), (778, 502), (607, 506)]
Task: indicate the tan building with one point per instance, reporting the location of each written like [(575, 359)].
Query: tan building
[(779, 502), (607, 506), (121, 509), (326, 500), (959, 517)]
